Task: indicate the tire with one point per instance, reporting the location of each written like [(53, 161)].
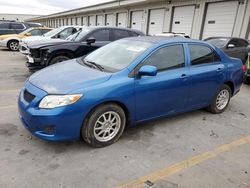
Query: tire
[(58, 59), (247, 80), (216, 107), (13, 45), (108, 134)]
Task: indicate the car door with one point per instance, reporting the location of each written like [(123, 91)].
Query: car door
[(5, 29), (165, 93), (17, 27), (206, 75), (101, 36)]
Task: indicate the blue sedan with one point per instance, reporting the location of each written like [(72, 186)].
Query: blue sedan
[(124, 83)]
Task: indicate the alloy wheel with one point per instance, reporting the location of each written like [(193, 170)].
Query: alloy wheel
[(222, 99), (107, 126)]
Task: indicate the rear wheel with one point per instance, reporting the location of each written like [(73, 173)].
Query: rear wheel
[(104, 125), (221, 100), (58, 59), (247, 80), (13, 45)]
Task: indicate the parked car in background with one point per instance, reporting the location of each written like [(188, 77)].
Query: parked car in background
[(128, 81), (16, 27), (11, 41), (172, 34), (247, 71), (58, 33), (48, 52), (234, 47)]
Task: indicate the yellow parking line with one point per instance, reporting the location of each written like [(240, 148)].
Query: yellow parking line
[(9, 90), (165, 172), (6, 107)]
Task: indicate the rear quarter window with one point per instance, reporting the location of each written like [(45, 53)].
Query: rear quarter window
[(200, 54)]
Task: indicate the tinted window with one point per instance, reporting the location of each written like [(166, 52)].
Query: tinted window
[(219, 42), (45, 30), (4, 26), (16, 26), (67, 32), (239, 43), (119, 34), (202, 54), (170, 57), (133, 34), (35, 32), (101, 35)]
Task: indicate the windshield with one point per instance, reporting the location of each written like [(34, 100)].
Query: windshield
[(53, 32), (78, 35), (26, 31), (118, 55), (218, 42)]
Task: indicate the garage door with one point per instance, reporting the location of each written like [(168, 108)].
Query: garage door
[(156, 19), (122, 20), (109, 19), (85, 21), (78, 21), (91, 20), (220, 19), (183, 19), (99, 20), (137, 20)]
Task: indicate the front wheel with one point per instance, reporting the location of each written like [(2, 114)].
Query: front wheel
[(104, 125), (58, 59), (221, 100), (13, 45)]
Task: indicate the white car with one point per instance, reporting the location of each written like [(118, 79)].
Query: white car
[(58, 33), (171, 34)]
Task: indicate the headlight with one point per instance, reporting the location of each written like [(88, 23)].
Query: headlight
[(53, 101)]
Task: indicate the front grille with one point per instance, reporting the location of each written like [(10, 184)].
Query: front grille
[(28, 97), (35, 53)]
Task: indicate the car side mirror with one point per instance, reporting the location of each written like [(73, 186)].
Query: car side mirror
[(90, 40), (28, 34), (147, 70), (230, 46)]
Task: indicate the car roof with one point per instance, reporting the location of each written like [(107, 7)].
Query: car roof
[(225, 38), (164, 39), (40, 28), (108, 27)]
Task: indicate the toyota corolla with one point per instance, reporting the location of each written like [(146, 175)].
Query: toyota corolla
[(124, 83)]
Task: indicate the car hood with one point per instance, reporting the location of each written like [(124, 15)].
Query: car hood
[(67, 77), (48, 42), (34, 38)]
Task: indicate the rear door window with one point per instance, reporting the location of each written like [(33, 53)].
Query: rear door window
[(200, 54), (101, 35), (16, 26), (119, 34), (4, 26)]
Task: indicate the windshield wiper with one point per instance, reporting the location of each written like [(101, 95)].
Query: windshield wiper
[(93, 64)]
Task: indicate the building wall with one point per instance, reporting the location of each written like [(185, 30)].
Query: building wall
[(16, 17), (240, 28)]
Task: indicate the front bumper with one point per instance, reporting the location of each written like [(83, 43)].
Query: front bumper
[(3, 43), (59, 124)]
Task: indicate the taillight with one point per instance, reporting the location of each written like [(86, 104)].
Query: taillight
[(244, 68)]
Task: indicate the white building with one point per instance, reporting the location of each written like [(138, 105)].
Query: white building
[(197, 18), (17, 17)]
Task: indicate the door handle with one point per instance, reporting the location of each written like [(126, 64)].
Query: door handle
[(219, 69), (183, 76)]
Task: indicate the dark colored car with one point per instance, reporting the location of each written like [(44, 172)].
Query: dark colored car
[(48, 52), (15, 27), (234, 47), (127, 82)]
